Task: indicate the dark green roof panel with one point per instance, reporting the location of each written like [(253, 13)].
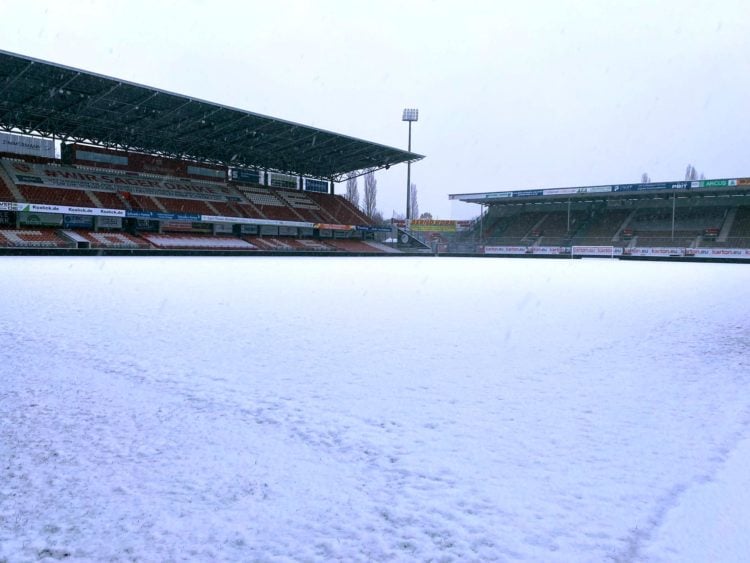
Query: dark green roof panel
[(44, 98)]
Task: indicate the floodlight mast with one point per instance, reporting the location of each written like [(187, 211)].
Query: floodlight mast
[(410, 115)]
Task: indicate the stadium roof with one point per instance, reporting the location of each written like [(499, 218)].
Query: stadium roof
[(43, 98), (724, 186)]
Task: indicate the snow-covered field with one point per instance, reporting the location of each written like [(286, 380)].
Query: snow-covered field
[(384, 409)]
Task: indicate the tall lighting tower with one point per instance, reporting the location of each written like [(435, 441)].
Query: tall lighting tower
[(410, 115)]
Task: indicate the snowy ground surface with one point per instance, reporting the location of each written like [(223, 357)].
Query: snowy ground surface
[(382, 409)]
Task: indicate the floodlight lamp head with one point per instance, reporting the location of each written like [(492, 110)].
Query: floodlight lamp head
[(410, 114)]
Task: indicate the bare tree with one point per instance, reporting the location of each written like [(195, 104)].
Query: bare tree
[(426, 215), (645, 178), (691, 173), (413, 204), (352, 191), (371, 194)]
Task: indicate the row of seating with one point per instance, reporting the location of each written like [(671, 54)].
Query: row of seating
[(109, 239), (618, 226), (253, 202), (53, 196), (5, 193), (198, 242), (53, 238), (32, 238)]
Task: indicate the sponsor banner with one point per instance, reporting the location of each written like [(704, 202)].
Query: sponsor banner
[(647, 187), (213, 173), (243, 175), (223, 219), (102, 157), (548, 250), (246, 221), (719, 183), (560, 191), (160, 216), (182, 226), (46, 219), (288, 231), (743, 253), (595, 190), (367, 229), (223, 228), (596, 251), (68, 210), (686, 185), (527, 193), (433, 225), (78, 221), (8, 206), (283, 180), (471, 196), (506, 250), (312, 185), (109, 222), (655, 251), (53, 176), (583, 190), (23, 144), (331, 227)]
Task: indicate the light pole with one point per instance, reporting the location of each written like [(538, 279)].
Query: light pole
[(410, 115)]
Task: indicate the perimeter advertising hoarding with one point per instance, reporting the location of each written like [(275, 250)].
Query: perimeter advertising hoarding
[(541, 250), (596, 251), (743, 253), (659, 251), (23, 144)]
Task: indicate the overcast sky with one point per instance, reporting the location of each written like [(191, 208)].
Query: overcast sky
[(511, 94)]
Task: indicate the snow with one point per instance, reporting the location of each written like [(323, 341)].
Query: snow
[(431, 409)]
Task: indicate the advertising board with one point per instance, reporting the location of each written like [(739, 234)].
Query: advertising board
[(24, 144)]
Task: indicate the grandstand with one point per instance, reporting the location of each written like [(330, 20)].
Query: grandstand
[(93, 162), (704, 219)]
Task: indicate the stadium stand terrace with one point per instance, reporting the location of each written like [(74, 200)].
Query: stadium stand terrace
[(675, 219), (90, 161)]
